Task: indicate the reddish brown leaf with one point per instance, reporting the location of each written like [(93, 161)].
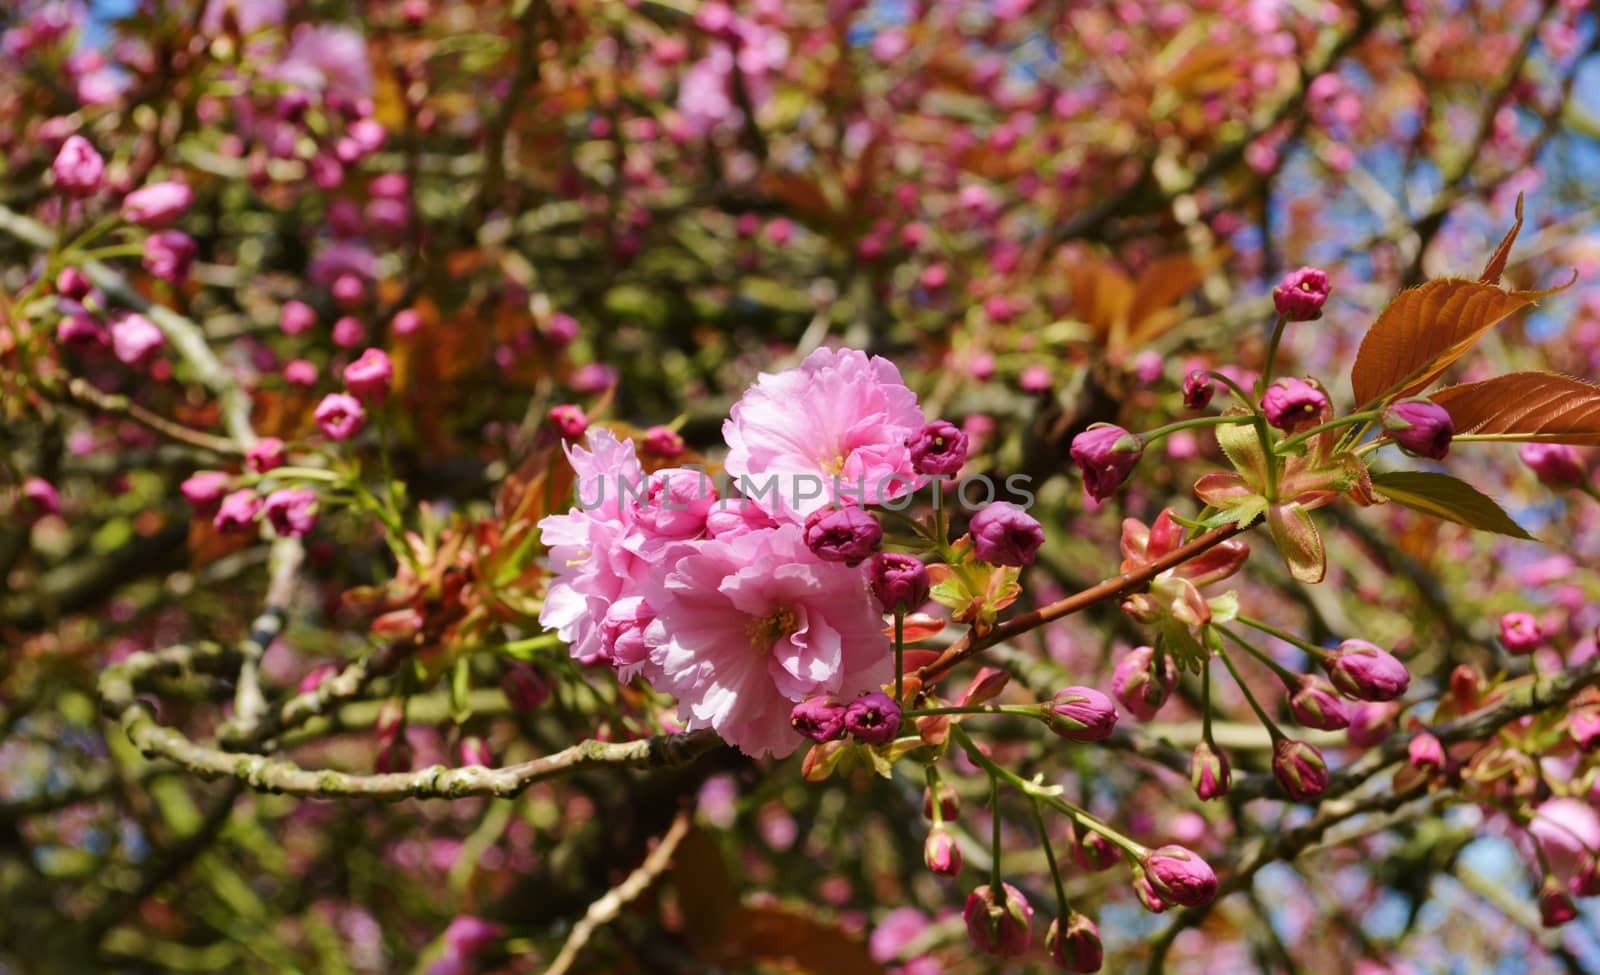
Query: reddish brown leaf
[(1424, 330), (793, 942), (1497, 263), (1537, 406)]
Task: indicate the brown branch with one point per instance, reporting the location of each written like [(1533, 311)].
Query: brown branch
[(607, 907), (1112, 588), (120, 684)]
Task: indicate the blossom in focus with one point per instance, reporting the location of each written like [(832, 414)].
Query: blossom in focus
[(1003, 534), (836, 427), (752, 625), (1105, 454), (1299, 297)]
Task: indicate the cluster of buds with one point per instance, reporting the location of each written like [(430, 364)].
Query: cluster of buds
[(872, 719)]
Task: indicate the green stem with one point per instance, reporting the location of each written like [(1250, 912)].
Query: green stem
[(1290, 680), (995, 883), (1050, 856), (931, 776), (1317, 653), (1239, 393), (1272, 728), (303, 474), (1024, 710), (1045, 795), (1201, 421), (1205, 706), (1272, 352), (1305, 435)]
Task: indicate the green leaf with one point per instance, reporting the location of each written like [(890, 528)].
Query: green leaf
[(1242, 443), (1298, 539), (1446, 497)]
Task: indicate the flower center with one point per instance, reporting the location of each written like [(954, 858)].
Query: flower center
[(766, 631), (835, 465)]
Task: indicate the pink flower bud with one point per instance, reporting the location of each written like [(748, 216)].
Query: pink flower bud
[(1299, 297), (899, 580), (39, 498), (1208, 772), (941, 448), (396, 756), (475, 751), (1146, 892), (348, 290), (314, 677), (1586, 877), (1075, 946), (78, 168), (1584, 729), (524, 686), (266, 454), (1299, 768), (73, 283), (1180, 877), (1142, 683), (1556, 464), (819, 719), (407, 321), (1366, 671), (662, 442), (292, 511), (873, 718), (168, 255), (157, 205), (569, 419), (1105, 454), (1426, 753), (1093, 852), (1081, 714), (1519, 632), (940, 853), (348, 332), (204, 490), (369, 376), (135, 339), (1315, 705), (846, 534), (1371, 723), (998, 922), (296, 318), (1003, 534), (1198, 389), (1555, 905), (1293, 404), (1421, 427), (237, 512), (340, 416), (469, 936), (300, 372), (80, 332)]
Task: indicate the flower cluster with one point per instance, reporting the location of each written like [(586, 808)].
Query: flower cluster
[(743, 606)]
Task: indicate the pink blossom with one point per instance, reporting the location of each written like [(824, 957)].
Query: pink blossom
[(593, 569), (327, 58), (78, 168), (135, 339), (340, 416), (292, 512), (750, 626), (836, 427)]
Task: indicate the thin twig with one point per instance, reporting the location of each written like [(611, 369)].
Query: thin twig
[(607, 907)]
